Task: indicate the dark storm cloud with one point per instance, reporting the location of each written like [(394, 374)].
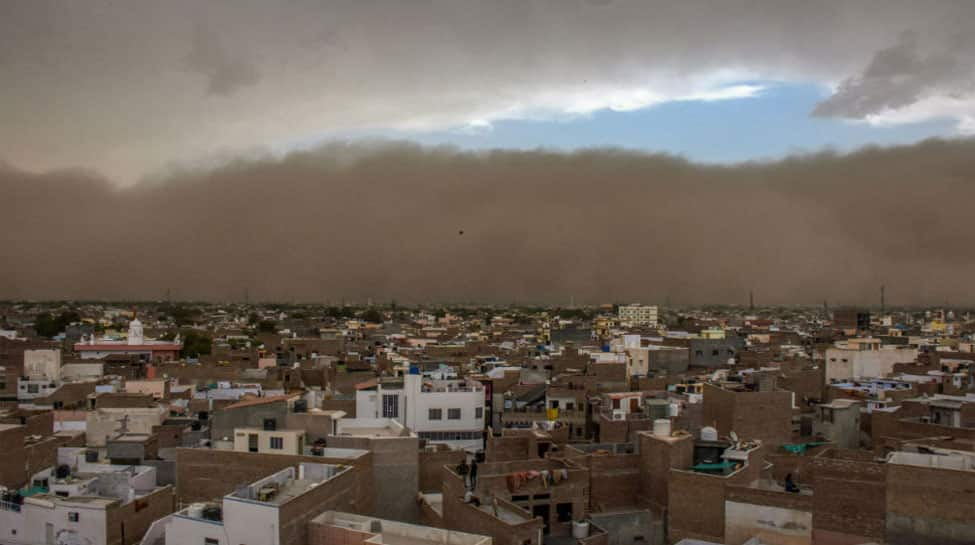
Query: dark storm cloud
[(224, 72), (383, 221), (129, 87), (901, 75)]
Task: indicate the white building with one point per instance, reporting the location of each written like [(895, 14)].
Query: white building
[(865, 358), (83, 502), (255, 514), (42, 364), (440, 411), (638, 315), (135, 344)]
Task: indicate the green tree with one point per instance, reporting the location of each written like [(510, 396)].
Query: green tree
[(372, 315), (48, 325), (195, 344)]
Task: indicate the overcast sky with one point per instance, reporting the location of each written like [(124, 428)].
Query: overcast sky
[(133, 88)]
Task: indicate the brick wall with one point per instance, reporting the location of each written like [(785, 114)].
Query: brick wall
[(206, 474), (464, 517), (431, 467), (12, 472), (337, 494), (127, 523), (327, 534), (929, 506), (695, 507), (657, 457), (850, 499), (614, 481), (766, 416)]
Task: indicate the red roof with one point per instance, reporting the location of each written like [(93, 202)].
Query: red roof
[(121, 347)]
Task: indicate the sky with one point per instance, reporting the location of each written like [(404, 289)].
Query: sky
[(770, 124), (488, 150), (134, 89)]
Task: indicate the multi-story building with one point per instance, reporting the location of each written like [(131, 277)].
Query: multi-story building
[(865, 358), (440, 411), (82, 502), (135, 344), (274, 510), (638, 315), (273, 441)]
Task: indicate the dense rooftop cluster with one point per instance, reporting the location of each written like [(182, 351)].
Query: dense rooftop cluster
[(202, 423)]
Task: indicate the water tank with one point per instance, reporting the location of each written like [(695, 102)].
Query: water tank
[(91, 456), (580, 529), (301, 406), (661, 427), (709, 434), (62, 471), (213, 512), (196, 510)]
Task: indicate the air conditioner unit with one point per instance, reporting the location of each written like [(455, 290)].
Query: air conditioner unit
[(619, 415)]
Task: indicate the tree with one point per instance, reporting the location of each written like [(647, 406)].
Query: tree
[(267, 326), (195, 344), (49, 326), (372, 315)]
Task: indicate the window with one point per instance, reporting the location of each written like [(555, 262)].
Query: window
[(564, 511), (390, 406), (277, 443), (210, 541), (570, 406), (436, 414), (479, 413), (32, 389), (270, 424), (714, 352), (73, 516), (453, 414)]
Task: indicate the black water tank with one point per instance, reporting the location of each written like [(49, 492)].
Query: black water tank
[(301, 406), (62, 471), (91, 456)]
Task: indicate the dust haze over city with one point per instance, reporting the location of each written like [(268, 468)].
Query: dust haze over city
[(487, 272), (310, 151)]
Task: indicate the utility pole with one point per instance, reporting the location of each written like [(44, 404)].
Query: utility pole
[(751, 300), (883, 300)]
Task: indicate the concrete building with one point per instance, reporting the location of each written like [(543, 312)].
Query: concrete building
[(395, 462), (42, 364), (644, 315), (761, 415), (839, 422), (274, 510), (337, 528), (712, 353), (135, 344), (267, 413), (106, 423), (440, 411), (643, 360), (80, 502), (864, 358), (269, 441)]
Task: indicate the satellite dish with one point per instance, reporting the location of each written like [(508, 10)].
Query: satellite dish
[(733, 436)]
